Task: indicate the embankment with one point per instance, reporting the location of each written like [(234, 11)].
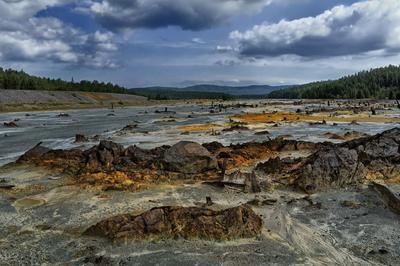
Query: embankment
[(26, 100)]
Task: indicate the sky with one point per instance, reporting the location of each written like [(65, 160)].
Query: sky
[(139, 43)]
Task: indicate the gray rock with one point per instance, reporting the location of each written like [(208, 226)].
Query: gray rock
[(248, 182), (189, 158), (331, 167)]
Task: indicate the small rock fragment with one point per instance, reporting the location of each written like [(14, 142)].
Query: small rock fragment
[(10, 124)]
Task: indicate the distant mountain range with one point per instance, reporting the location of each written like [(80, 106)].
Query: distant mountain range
[(207, 88)]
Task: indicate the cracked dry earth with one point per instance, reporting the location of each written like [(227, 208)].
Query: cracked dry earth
[(210, 204)]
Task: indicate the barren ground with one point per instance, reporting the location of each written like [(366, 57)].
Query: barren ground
[(45, 212)]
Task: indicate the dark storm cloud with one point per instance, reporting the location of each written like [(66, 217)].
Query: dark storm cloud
[(186, 14)]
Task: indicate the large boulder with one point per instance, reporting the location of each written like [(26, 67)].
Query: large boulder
[(176, 222), (189, 158)]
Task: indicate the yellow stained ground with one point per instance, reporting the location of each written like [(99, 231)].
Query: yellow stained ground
[(200, 127)]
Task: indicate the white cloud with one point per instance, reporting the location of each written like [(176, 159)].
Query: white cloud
[(198, 41), (344, 30), (25, 37), (224, 49), (25, 9)]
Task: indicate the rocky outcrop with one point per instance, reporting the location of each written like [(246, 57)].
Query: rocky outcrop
[(103, 156), (189, 158), (331, 167), (34, 153), (375, 157), (181, 222), (114, 166)]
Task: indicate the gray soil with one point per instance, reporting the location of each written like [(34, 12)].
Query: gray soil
[(44, 226), (43, 216)]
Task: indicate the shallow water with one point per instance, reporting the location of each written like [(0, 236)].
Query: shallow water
[(153, 130)]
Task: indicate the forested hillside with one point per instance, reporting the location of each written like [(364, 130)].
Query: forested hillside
[(19, 80), (380, 83)]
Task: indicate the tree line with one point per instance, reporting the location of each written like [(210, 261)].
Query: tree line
[(19, 80), (379, 83), (181, 95)]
